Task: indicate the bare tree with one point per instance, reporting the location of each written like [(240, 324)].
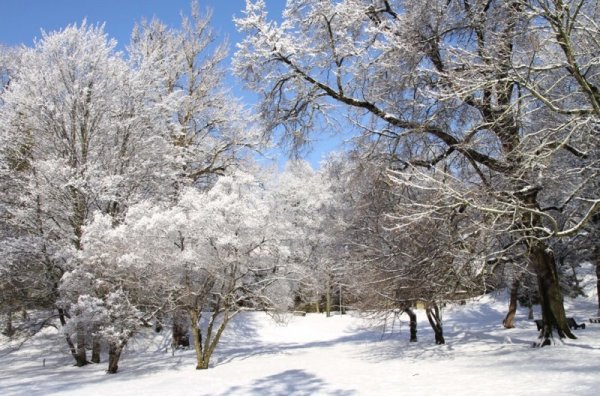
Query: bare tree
[(431, 260)]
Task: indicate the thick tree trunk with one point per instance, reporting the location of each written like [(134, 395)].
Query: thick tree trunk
[(96, 349), (115, 349), (551, 299), (509, 320), (413, 323), (435, 320), (114, 354)]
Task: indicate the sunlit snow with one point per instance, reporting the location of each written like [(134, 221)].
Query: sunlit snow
[(341, 355)]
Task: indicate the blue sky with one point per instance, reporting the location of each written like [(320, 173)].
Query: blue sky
[(22, 20)]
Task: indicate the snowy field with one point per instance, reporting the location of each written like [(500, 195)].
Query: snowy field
[(341, 355)]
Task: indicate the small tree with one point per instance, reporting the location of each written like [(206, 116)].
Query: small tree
[(212, 254)]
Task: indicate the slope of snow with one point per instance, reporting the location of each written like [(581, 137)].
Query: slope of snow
[(341, 355)]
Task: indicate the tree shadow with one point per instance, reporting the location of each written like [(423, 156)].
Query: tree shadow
[(44, 365), (476, 324), (289, 382)]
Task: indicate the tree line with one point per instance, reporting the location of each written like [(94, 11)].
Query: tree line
[(131, 196)]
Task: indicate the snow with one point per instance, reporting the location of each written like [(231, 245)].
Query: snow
[(341, 355)]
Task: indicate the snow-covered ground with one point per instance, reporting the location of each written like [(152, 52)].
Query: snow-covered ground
[(341, 355)]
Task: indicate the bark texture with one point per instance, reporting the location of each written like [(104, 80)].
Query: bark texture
[(114, 354), (551, 300), (96, 350), (598, 277), (509, 320), (205, 346), (194, 318), (80, 355)]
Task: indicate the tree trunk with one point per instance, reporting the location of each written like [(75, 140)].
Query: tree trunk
[(598, 278), (210, 345), (340, 300), (80, 356), (530, 311), (63, 322), (197, 336), (413, 323), (551, 300), (509, 320), (205, 347), (435, 320), (114, 354), (328, 297), (96, 349), (180, 335), (9, 330)]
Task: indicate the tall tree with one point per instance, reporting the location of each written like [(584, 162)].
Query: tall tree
[(453, 93), (87, 130), (71, 101), (212, 129)]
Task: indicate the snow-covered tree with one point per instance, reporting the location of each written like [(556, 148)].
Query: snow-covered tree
[(304, 205), (212, 128), (492, 104), (210, 255), (79, 135), (87, 129)]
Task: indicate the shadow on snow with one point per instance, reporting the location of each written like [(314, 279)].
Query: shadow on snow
[(289, 382)]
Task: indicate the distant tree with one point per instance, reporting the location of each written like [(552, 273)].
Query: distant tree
[(431, 260), (306, 215)]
